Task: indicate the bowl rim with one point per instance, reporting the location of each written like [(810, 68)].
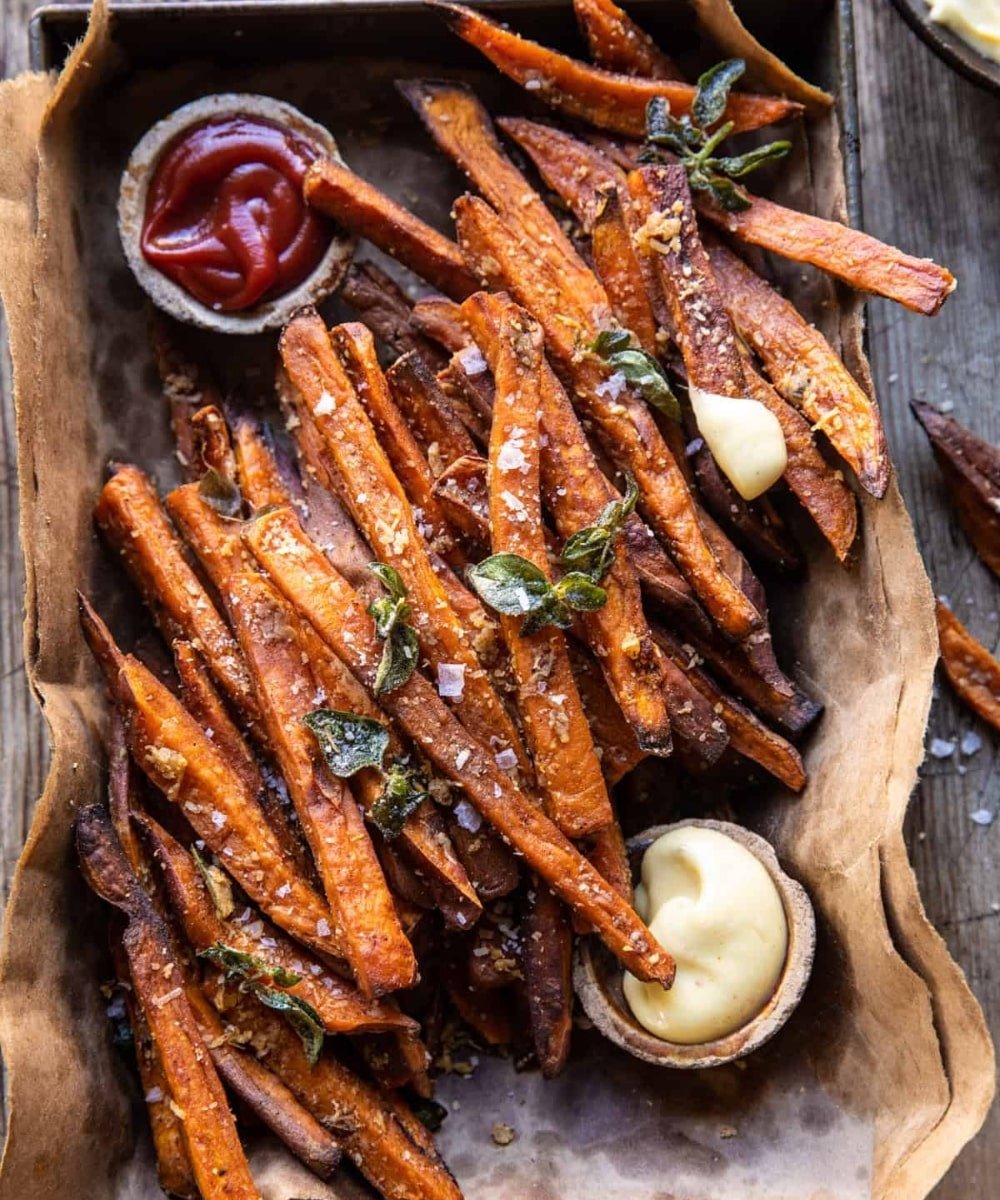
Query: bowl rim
[(962, 57), (613, 1018), (137, 174)]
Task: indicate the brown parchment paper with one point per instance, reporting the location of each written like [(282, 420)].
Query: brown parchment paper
[(886, 1069)]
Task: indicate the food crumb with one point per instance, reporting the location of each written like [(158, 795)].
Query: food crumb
[(982, 816), (727, 1131), (503, 1134)]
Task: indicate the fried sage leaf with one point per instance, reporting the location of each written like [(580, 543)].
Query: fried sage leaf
[(592, 550), (300, 1014), (404, 789), (514, 586), (217, 884), (638, 368), (237, 964), (391, 614), (348, 742)]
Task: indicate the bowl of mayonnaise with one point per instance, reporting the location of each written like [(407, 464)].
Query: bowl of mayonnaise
[(741, 931)]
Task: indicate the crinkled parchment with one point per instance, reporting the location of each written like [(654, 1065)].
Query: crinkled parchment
[(886, 1069)]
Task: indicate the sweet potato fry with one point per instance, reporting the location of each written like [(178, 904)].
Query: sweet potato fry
[(857, 258), (388, 312), (569, 773), (486, 1010), (256, 469), (355, 348), (327, 601), (439, 319), (969, 667), (748, 735), (609, 101), (616, 43), (971, 469), (620, 271), (609, 855), (700, 734), (130, 516), (625, 425), (804, 369), (470, 392), (338, 1003), (367, 926), (462, 128), (185, 389), (272, 1102), (335, 190), (176, 756), (211, 439), (461, 490), (365, 1123), (213, 1146), (430, 414), (380, 509), (614, 737), (547, 963), (575, 493), (487, 859)]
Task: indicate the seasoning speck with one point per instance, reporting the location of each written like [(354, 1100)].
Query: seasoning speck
[(502, 1134)]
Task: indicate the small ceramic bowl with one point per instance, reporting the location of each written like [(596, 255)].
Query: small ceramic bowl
[(948, 46), (269, 314), (598, 975)]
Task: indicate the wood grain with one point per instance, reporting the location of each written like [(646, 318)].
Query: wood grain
[(930, 146)]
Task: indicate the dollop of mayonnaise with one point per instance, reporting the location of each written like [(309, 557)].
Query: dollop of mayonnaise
[(714, 906), (744, 437), (975, 21)]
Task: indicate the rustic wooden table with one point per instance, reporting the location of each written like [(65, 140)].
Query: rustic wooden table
[(931, 183)]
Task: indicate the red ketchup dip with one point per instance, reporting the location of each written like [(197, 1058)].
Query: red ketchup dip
[(225, 218)]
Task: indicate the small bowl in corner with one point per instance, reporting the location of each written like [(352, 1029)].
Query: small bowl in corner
[(321, 282), (597, 975)]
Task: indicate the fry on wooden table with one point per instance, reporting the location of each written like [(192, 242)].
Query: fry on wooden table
[(176, 755), (209, 1130), (625, 425), (969, 667), (330, 604), (361, 208), (609, 101), (971, 469)]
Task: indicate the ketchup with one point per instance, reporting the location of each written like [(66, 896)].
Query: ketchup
[(225, 218)]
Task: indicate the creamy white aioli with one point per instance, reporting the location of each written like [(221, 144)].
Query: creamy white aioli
[(714, 906), (745, 439), (975, 21)]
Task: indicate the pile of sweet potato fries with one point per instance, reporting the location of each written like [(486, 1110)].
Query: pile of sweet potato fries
[(421, 630)]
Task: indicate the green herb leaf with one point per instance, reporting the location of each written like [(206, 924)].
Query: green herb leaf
[(639, 369), (611, 341), (217, 884), (509, 584), (713, 91), (742, 164), (402, 646), (430, 1114), (592, 550), (301, 1015), (552, 611), (348, 742), (237, 964), (580, 592), (404, 790), (221, 493)]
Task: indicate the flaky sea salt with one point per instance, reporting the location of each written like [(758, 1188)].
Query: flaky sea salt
[(506, 760), (982, 816), (472, 360), (939, 748), (467, 816), (451, 680), (461, 758), (323, 927), (325, 405), (612, 386), (971, 743)]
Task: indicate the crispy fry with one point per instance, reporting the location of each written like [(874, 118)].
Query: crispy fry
[(487, 859), (440, 319), (326, 600), (848, 254), (627, 429), (547, 962), (367, 926), (609, 854), (970, 668), (365, 1123), (461, 490), (462, 128), (381, 510), (263, 1093), (486, 1010), (609, 101), (185, 389), (387, 311), (569, 773), (616, 43), (971, 469), (470, 392), (176, 756), (804, 369), (615, 738), (355, 348), (748, 735), (364, 210), (429, 412), (339, 1004), (575, 492), (619, 270), (700, 734), (130, 516), (212, 444), (209, 1131), (259, 478)]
